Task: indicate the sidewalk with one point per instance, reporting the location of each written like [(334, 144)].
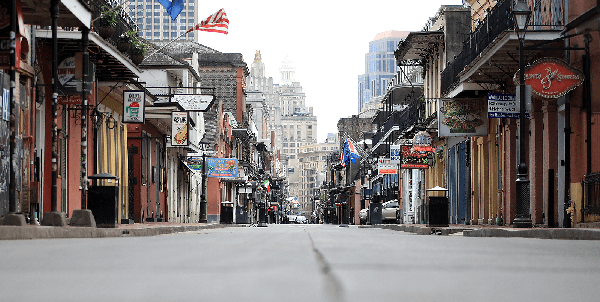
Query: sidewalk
[(497, 231), (124, 230)]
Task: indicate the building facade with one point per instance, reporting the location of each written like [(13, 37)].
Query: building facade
[(380, 66)]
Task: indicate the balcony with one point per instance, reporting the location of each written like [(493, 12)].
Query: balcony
[(496, 22)]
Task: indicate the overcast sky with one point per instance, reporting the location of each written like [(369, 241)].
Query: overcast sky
[(326, 40)]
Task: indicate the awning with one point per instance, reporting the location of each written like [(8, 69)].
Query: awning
[(111, 64), (72, 13), (418, 45), (499, 61)]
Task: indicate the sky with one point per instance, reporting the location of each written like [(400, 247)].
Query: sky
[(326, 41)]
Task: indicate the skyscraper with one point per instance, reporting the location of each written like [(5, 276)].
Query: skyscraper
[(155, 24), (380, 66)]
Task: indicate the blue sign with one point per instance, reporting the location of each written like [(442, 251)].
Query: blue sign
[(222, 167)]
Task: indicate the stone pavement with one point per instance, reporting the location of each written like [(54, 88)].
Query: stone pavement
[(161, 228)]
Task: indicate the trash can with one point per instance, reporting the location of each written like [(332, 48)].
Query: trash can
[(103, 201), (226, 212), (375, 213), (436, 209)]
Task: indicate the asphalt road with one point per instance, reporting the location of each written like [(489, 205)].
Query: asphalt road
[(299, 263)]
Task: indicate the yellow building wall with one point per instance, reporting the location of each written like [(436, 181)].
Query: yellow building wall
[(111, 151)]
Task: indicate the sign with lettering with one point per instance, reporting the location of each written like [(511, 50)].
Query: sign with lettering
[(412, 159), (551, 77), (222, 167), (179, 128), (133, 106), (384, 166), (194, 102)]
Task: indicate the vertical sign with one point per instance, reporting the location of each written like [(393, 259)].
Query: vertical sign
[(133, 106), (179, 128), (5, 104), (395, 154)]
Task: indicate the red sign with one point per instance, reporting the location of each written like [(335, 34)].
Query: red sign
[(551, 78), (412, 159)]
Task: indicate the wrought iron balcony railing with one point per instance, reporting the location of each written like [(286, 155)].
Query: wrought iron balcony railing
[(497, 21)]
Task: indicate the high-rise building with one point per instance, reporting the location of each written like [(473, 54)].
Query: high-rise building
[(155, 24), (380, 66)]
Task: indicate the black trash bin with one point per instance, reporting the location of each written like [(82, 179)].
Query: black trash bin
[(436, 209), (226, 212), (375, 213), (103, 201)]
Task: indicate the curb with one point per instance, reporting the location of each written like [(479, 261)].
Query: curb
[(562, 234), (49, 232)]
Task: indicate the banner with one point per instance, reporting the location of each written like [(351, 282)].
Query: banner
[(462, 117), (222, 167), (179, 128), (133, 106)]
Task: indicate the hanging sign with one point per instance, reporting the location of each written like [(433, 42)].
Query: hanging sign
[(422, 142), (194, 102), (412, 159), (179, 128), (551, 77), (222, 167), (502, 106), (133, 106), (462, 117), (195, 163), (395, 154), (384, 166)]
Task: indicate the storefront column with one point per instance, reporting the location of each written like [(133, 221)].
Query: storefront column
[(510, 170), (550, 162), (536, 162)]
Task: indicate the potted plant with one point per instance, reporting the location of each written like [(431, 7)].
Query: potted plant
[(139, 50), (107, 22), (125, 40)]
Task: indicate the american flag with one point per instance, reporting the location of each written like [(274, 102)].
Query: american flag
[(217, 23)]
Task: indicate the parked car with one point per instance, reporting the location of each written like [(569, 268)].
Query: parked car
[(363, 215), (388, 213), (301, 219)]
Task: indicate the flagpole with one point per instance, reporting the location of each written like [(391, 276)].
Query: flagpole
[(159, 49)]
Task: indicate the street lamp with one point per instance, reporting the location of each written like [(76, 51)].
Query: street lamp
[(521, 15)]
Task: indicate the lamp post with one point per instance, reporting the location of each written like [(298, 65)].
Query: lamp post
[(521, 15)]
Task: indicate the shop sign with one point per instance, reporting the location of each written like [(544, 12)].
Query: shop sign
[(502, 106), (551, 78), (133, 106), (70, 78), (395, 154), (422, 142), (195, 163), (412, 159), (384, 166), (462, 117), (194, 102), (179, 128), (222, 167)]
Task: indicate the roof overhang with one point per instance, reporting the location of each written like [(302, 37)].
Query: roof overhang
[(497, 63), (418, 45), (588, 21), (111, 64), (72, 13)]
